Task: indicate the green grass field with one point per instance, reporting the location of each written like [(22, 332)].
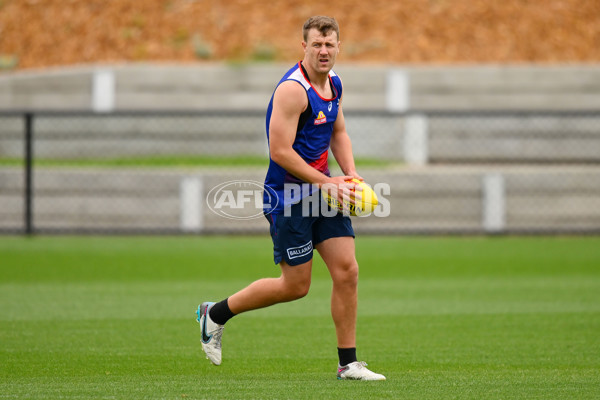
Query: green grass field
[(442, 318), (174, 161)]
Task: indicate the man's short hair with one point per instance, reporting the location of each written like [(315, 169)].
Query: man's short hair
[(323, 24)]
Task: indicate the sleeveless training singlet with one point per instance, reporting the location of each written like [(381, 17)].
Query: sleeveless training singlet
[(313, 136)]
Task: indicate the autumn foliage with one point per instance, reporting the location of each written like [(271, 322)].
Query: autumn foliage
[(40, 33)]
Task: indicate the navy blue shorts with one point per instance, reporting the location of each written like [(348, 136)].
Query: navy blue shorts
[(295, 236)]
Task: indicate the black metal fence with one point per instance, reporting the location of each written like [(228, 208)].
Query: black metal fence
[(160, 172)]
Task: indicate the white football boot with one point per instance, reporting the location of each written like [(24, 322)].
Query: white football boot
[(210, 333), (358, 371)]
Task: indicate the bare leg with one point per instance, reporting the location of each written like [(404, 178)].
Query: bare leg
[(293, 284), (339, 255)]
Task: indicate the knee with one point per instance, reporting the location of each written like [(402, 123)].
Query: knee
[(297, 289), (347, 273), (301, 289)]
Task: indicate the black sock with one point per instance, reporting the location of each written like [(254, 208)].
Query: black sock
[(346, 356), (220, 312)]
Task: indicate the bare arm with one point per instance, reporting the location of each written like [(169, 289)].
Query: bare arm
[(341, 146)]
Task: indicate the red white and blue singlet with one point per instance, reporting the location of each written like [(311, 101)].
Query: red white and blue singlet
[(313, 136)]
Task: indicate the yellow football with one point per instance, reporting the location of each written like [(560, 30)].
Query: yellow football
[(364, 206)]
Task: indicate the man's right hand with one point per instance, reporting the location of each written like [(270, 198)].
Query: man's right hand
[(342, 189)]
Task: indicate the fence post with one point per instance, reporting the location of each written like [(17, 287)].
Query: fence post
[(397, 91), (416, 143), (29, 173), (494, 203), (103, 90), (191, 200)]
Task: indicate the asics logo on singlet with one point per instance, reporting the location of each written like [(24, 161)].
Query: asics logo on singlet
[(329, 106)]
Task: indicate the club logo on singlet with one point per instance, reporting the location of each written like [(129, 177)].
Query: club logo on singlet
[(321, 119)]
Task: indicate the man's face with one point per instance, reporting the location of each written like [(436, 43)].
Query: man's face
[(320, 51)]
